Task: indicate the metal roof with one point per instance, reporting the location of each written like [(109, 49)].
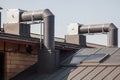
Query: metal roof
[(108, 69)]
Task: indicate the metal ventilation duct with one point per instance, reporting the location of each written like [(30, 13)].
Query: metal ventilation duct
[(0, 21), (0, 17), (99, 28), (48, 18)]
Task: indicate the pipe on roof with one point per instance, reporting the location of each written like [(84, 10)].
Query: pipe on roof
[(110, 28), (48, 18)]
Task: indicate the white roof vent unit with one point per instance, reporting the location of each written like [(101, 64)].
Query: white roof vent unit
[(73, 29), (13, 15)]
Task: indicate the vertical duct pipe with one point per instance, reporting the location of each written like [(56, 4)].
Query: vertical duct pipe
[(49, 30), (111, 29), (47, 57), (113, 36)]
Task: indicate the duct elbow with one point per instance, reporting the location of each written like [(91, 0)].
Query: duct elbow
[(112, 26), (113, 36), (47, 13)]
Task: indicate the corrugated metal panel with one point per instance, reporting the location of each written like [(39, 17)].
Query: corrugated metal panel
[(86, 55), (113, 74), (62, 74), (83, 73), (93, 73), (78, 59), (113, 59), (92, 58), (95, 58), (89, 64), (117, 77), (117, 52), (75, 72), (104, 73), (87, 51), (109, 51)]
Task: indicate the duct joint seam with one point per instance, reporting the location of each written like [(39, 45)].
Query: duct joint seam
[(103, 29), (89, 29), (32, 16)]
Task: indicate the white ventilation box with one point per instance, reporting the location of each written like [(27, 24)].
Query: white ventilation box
[(13, 15), (73, 29)]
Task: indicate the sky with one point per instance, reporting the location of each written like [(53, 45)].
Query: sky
[(72, 11)]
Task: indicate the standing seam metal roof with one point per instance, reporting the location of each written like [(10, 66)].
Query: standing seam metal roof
[(109, 69)]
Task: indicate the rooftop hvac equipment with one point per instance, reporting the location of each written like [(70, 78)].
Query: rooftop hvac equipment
[(18, 16), (48, 54), (73, 29), (111, 29)]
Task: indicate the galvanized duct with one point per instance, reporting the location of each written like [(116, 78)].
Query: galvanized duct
[(48, 18), (101, 28), (0, 21), (0, 17)]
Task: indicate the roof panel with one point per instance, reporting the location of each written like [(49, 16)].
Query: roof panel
[(92, 58), (95, 58), (89, 64), (102, 74), (117, 52), (117, 77), (62, 74), (113, 59), (93, 73), (73, 73), (107, 50), (78, 59), (113, 74), (87, 51), (84, 73)]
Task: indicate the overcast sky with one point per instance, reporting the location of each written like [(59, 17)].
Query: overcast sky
[(72, 11)]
